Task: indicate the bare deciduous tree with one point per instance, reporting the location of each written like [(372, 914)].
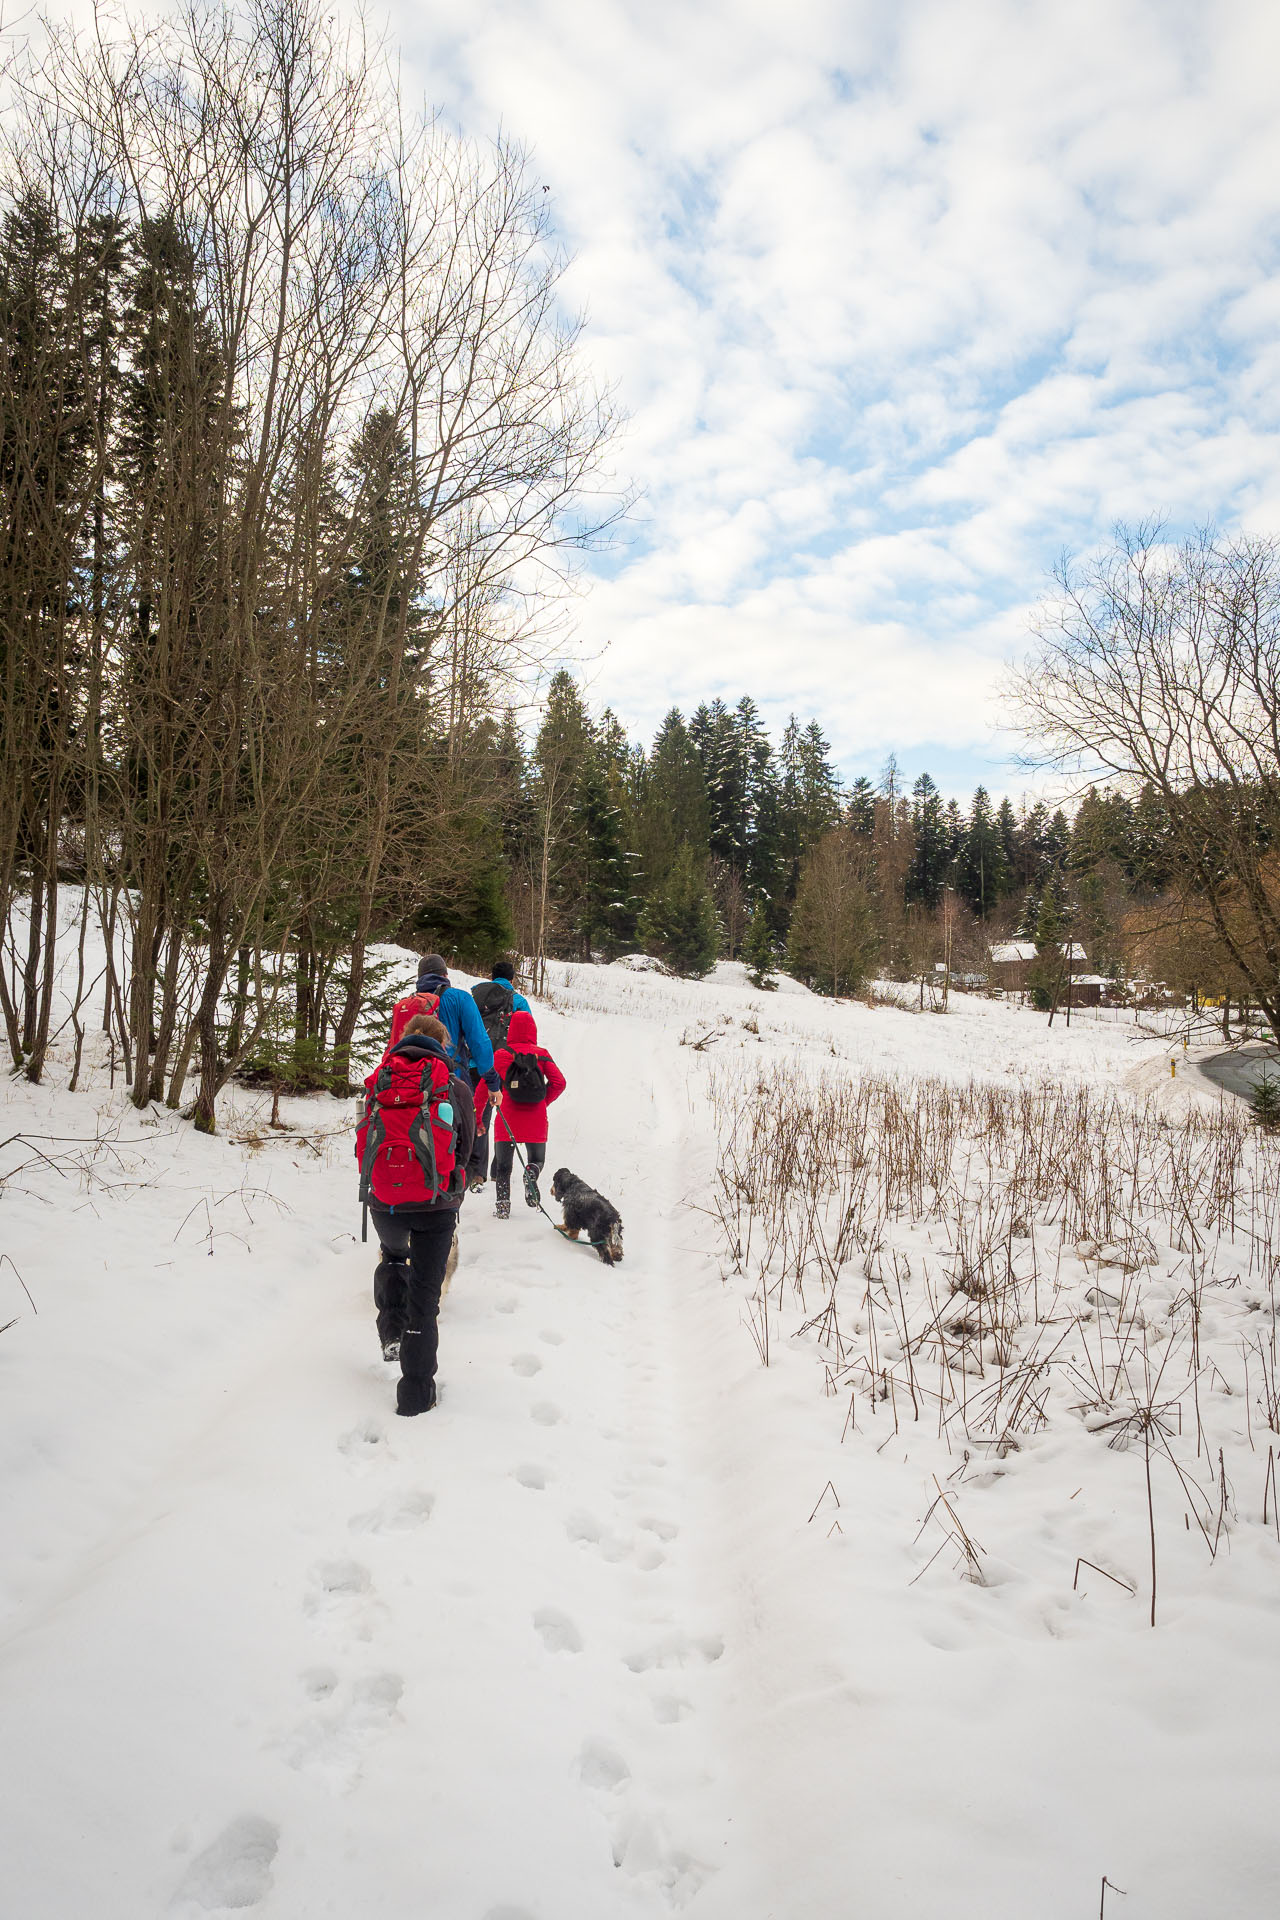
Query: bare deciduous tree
[(316, 433), (1161, 665)]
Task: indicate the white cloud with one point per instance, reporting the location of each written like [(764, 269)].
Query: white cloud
[(901, 300)]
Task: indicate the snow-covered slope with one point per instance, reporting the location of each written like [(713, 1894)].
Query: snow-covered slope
[(626, 1625)]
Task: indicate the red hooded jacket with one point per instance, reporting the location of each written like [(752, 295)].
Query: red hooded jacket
[(514, 1121)]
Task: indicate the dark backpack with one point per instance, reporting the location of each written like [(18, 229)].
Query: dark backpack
[(524, 1080), (496, 1001)]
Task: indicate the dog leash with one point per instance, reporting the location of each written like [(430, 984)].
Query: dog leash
[(555, 1226)]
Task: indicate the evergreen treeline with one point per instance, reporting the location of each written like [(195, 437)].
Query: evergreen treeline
[(718, 842)]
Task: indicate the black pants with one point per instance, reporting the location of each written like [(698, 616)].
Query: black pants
[(406, 1290), (504, 1153), (478, 1164)]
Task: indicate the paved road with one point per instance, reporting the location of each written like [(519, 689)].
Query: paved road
[(1240, 1071)]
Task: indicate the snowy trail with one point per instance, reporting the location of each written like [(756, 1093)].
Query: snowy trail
[(460, 1659), (625, 1627)]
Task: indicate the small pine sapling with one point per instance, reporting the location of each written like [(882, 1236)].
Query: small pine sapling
[(1266, 1103), (759, 952)]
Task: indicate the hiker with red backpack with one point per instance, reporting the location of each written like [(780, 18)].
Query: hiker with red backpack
[(531, 1080), (412, 1146)]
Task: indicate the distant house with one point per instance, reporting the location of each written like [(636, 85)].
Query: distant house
[(1011, 963), (1089, 989)]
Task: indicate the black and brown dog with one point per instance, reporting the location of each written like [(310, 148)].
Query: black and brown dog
[(586, 1211)]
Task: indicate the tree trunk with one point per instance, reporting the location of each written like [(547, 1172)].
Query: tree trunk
[(345, 1027)]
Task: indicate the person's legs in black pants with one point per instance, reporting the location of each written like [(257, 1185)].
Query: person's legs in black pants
[(535, 1154), (430, 1237), (391, 1281), (478, 1164), (504, 1154)]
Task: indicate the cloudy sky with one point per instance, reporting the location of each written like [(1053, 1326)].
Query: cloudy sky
[(902, 297)]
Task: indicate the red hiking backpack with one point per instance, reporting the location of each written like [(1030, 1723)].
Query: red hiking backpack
[(406, 1143), (404, 1010)]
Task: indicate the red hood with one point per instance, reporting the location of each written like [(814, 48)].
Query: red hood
[(522, 1031)]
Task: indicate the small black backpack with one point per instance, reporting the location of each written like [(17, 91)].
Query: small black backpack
[(496, 1001), (524, 1080)]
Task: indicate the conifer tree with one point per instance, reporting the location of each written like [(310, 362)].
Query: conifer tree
[(679, 920), (1007, 828), (603, 914), (760, 952), (671, 808), (930, 858), (955, 831), (832, 941), (860, 812), (765, 873), (981, 876)]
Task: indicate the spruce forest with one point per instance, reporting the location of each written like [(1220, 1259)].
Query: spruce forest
[(718, 842)]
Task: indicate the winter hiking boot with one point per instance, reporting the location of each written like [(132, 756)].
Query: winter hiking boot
[(532, 1198), (502, 1200), (391, 1349), (413, 1397)]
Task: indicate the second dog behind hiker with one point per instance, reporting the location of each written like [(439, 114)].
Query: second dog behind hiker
[(531, 1080)]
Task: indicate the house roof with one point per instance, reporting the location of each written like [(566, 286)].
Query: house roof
[(1005, 952)]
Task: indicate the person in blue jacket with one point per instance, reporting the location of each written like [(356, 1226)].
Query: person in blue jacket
[(496, 999), (502, 974), (469, 1047)]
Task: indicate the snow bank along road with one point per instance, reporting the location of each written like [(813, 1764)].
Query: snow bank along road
[(622, 1628)]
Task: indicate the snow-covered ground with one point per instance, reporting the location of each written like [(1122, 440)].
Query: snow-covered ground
[(631, 1622)]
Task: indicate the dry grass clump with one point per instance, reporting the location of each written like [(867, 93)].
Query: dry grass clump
[(985, 1259)]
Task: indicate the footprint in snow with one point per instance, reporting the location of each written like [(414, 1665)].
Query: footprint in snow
[(552, 1338), (526, 1364), (341, 1591), (665, 1529), (546, 1414), (669, 1708), (640, 1850), (233, 1871), (557, 1631), (333, 1743), (677, 1650), (397, 1513), (601, 1768), (585, 1528), (533, 1476), (508, 1304), (363, 1442)]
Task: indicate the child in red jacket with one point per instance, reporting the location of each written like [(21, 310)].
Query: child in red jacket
[(531, 1080)]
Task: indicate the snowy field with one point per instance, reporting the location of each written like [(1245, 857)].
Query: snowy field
[(632, 1623)]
